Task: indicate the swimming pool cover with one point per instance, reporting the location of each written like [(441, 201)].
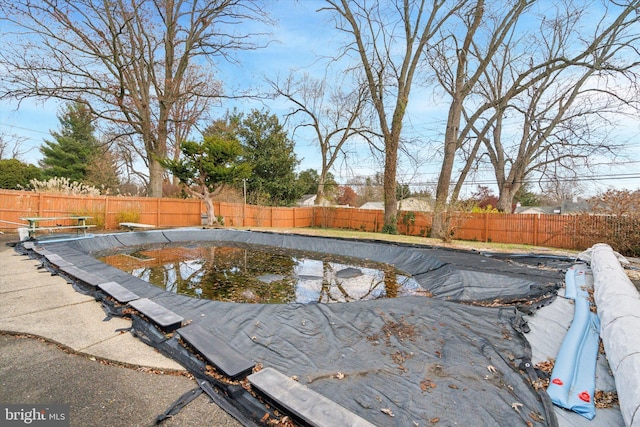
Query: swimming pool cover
[(458, 357)]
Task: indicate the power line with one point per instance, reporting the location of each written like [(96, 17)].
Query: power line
[(27, 129), (586, 178)]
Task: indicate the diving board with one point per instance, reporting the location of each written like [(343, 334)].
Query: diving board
[(136, 226)]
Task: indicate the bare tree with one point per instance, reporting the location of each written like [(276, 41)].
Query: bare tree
[(550, 124), (189, 111), (334, 115), (388, 40), (617, 221), (135, 63), (458, 71), (616, 202), (495, 82), (559, 188), (10, 146)]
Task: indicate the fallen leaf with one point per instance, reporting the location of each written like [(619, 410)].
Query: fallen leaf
[(535, 416), (387, 411)]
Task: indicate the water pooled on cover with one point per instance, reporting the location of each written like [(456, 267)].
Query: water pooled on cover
[(240, 273)]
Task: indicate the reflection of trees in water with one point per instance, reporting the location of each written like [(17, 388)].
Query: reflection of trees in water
[(232, 274), (387, 279), (175, 269), (171, 276), (241, 274), (223, 274)]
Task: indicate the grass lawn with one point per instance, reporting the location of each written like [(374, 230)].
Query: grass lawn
[(416, 240)]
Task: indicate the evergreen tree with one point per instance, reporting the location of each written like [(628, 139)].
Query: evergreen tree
[(271, 154), (206, 167), (309, 179), (526, 197), (16, 175), (74, 148), (226, 127)]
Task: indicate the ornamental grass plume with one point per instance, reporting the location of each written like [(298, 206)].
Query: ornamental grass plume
[(61, 185)]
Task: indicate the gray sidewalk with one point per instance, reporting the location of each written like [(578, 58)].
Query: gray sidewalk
[(108, 378)]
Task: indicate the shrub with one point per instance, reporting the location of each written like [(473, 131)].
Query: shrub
[(97, 217), (621, 232), (616, 222), (487, 209), (389, 229), (128, 216), (408, 218)]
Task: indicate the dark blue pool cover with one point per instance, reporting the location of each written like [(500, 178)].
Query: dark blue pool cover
[(458, 357)]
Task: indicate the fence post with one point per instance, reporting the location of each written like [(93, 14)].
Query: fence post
[(486, 227), (106, 212), (158, 212), (536, 221)]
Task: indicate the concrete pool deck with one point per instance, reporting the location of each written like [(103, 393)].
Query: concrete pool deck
[(57, 347)]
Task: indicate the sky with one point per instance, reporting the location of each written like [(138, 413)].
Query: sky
[(301, 36)]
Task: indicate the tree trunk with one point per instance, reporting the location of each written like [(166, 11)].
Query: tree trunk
[(156, 173), (440, 224), (211, 215), (461, 87), (389, 184), (505, 200), (320, 196)]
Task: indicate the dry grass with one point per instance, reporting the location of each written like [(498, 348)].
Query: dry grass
[(455, 244), (634, 274)]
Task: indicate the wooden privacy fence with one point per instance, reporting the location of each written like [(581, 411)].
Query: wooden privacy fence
[(559, 231), (108, 212), (556, 231)]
